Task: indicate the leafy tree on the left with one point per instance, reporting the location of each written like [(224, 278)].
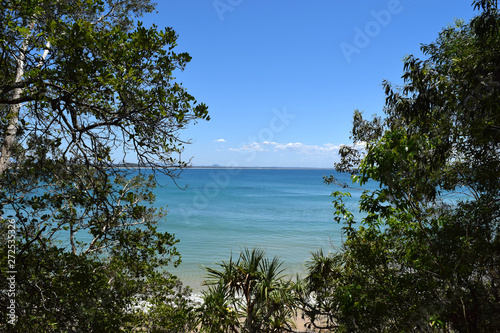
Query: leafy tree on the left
[(80, 80)]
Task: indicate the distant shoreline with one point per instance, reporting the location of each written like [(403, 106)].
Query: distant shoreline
[(136, 166), (257, 168)]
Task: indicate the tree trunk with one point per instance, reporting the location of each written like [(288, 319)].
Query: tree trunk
[(10, 134), (14, 109)]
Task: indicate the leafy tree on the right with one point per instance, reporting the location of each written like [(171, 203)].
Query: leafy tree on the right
[(426, 256)]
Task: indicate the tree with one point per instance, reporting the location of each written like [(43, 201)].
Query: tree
[(253, 285), (217, 313), (81, 81), (94, 82), (426, 255)]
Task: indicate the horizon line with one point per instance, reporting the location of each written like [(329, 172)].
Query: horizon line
[(252, 167)]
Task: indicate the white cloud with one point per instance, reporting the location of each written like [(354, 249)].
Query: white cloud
[(360, 145), (220, 140), (307, 149), (255, 146), (297, 147)]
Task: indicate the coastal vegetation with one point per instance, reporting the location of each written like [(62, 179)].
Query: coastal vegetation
[(252, 288), (81, 79), (423, 260)]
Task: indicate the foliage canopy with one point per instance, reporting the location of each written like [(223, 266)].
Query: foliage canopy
[(426, 255), (80, 81)]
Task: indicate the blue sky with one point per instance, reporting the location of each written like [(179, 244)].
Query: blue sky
[(283, 77)]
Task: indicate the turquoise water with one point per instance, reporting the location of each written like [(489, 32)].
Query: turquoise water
[(288, 212)]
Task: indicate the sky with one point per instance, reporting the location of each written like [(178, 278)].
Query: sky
[(282, 78)]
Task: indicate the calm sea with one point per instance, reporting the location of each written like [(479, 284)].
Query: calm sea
[(287, 212)]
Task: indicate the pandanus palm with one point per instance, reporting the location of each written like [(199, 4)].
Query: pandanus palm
[(258, 288)]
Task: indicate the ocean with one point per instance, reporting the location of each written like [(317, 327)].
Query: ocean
[(287, 212)]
